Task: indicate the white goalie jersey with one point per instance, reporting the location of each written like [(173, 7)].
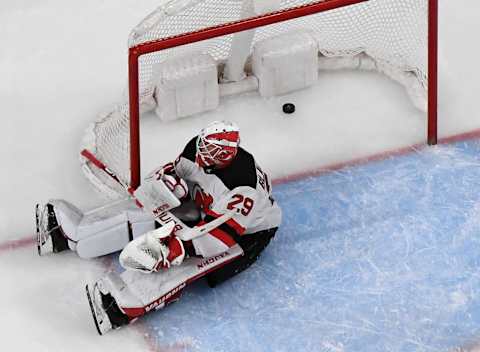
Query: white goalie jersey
[(242, 186)]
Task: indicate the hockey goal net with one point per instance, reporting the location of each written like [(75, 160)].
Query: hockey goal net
[(396, 37)]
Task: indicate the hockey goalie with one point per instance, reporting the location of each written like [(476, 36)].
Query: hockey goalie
[(208, 214)]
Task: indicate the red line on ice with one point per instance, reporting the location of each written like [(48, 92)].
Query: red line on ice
[(375, 157), (29, 241), (16, 244), (153, 344)]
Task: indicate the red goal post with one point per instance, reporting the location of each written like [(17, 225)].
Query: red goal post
[(307, 8)]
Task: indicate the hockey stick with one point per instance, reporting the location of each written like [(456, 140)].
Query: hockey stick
[(183, 232)]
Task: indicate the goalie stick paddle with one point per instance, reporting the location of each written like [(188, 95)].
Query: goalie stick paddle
[(184, 232)]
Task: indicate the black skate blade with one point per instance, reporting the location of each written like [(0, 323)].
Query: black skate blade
[(37, 223), (92, 309)]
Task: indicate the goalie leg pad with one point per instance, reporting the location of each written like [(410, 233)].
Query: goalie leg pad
[(109, 229), (105, 230), (133, 294), (68, 217), (109, 241)]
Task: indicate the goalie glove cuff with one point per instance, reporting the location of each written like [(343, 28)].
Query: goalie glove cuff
[(173, 255)]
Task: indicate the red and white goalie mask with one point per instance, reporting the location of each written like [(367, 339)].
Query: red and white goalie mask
[(217, 144)]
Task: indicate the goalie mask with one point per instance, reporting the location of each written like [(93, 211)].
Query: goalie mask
[(217, 144)]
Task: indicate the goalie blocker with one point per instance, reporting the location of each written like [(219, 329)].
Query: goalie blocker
[(224, 195)]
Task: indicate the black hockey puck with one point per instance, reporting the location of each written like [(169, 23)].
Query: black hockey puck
[(288, 108)]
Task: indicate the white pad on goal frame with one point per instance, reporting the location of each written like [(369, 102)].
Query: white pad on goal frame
[(285, 63), (186, 86)]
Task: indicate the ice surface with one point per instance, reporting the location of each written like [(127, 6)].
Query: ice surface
[(382, 257), (375, 258), (379, 257)]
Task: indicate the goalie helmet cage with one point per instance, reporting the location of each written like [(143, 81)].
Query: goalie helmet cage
[(398, 35)]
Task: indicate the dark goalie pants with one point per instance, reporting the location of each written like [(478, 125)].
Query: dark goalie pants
[(252, 245)]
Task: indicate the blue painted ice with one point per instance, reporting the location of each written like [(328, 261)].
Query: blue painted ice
[(379, 257)]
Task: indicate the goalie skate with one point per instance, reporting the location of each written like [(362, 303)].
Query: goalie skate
[(44, 240), (105, 311), (49, 234), (100, 317)]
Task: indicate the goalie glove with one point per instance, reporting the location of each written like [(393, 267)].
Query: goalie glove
[(161, 194), (155, 250)]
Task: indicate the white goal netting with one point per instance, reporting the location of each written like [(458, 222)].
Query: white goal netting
[(390, 36)]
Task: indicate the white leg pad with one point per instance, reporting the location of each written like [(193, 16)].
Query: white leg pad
[(137, 293), (140, 228), (108, 229), (112, 239), (110, 215), (105, 242), (68, 217)]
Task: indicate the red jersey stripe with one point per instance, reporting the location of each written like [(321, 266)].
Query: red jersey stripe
[(220, 235), (232, 223), (223, 236)]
